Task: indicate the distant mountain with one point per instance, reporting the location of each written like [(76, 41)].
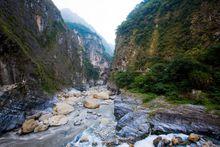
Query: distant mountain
[(109, 48), (97, 53), (72, 17)]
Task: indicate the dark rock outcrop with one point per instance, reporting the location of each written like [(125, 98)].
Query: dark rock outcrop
[(135, 122), (38, 54), (132, 121), (186, 119)]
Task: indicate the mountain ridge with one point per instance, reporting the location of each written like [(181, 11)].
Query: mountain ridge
[(171, 48), (70, 16)]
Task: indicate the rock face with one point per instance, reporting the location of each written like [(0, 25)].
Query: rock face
[(186, 119), (160, 117), (37, 53), (96, 53), (161, 30), (133, 123)]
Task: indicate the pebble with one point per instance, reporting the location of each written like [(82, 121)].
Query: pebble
[(77, 123), (89, 111), (99, 115)]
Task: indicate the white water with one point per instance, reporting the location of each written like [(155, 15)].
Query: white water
[(148, 142)]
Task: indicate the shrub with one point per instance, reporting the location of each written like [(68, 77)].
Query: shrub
[(181, 70), (144, 82), (162, 88), (212, 56), (200, 80), (124, 79)]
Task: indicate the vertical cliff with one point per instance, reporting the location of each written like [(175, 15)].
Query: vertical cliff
[(161, 30), (96, 59), (171, 47), (38, 55), (96, 51)]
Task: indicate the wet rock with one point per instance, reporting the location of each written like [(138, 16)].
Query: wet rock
[(84, 138), (94, 144), (35, 116), (41, 128), (28, 126), (10, 119), (165, 142), (178, 118), (121, 109), (99, 115), (157, 141), (193, 137), (77, 123), (58, 120), (133, 125), (91, 104), (177, 140), (14, 106), (133, 118), (45, 118), (208, 144), (63, 108), (89, 111), (101, 95)]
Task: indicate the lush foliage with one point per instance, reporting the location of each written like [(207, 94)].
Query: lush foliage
[(176, 81), (171, 48)]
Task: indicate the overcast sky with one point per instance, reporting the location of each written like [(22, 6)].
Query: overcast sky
[(103, 15)]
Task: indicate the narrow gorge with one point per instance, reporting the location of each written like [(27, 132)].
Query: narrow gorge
[(63, 85)]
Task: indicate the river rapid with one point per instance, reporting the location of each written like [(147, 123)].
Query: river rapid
[(102, 122)]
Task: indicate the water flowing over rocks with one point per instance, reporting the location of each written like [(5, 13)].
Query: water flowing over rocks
[(86, 118)]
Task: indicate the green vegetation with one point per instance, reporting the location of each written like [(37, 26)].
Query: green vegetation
[(174, 51), (47, 83), (175, 80), (49, 36)]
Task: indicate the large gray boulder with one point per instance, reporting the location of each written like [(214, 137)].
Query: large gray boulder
[(134, 125)]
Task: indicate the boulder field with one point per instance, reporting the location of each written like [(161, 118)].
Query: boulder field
[(96, 117)]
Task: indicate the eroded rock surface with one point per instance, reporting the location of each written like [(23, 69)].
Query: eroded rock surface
[(185, 119)]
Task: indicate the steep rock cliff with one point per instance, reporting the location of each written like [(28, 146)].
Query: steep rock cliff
[(162, 30), (171, 47), (38, 56), (96, 59), (96, 51)]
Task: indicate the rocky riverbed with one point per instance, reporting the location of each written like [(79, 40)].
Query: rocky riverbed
[(95, 117)]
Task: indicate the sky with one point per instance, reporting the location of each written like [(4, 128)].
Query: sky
[(103, 15)]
